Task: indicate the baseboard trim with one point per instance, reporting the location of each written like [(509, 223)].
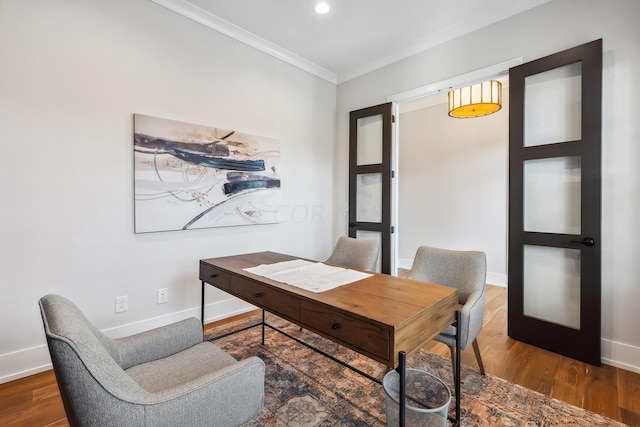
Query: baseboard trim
[(497, 279), (24, 363), (33, 360), (620, 355)]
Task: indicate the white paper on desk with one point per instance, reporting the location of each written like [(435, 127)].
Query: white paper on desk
[(278, 267), (317, 284), (347, 276), (307, 272), (312, 276), (331, 281)]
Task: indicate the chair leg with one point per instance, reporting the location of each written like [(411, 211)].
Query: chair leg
[(453, 361), (476, 350)]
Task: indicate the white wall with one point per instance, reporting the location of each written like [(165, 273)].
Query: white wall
[(452, 183), (554, 26), (73, 73)]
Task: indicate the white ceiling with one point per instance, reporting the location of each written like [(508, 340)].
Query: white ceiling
[(355, 37)]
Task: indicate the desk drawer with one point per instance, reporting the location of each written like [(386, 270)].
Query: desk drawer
[(218, 278), (270, 299), (359, 333)]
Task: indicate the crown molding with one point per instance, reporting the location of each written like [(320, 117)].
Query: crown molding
[(201, 16), (209, 20)]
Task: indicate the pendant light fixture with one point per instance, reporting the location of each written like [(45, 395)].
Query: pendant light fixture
[(475, 100)]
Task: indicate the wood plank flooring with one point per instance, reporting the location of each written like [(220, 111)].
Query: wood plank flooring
[(613, 392)]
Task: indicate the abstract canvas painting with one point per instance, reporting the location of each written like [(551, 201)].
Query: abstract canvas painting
[(190, 176)]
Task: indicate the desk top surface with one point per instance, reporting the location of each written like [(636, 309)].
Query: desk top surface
[(386, 299)]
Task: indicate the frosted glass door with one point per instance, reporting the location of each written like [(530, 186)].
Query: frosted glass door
[(552, 205), (369, 197), (552, 190), (370, 178), (369, 151), (552, 103), (554, 202), (552, 195), (552, 285)]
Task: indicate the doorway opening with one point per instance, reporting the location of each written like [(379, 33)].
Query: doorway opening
[(452, 174)]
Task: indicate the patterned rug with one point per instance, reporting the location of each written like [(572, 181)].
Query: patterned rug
[(305, 388)]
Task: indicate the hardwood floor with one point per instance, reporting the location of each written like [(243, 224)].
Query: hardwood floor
[(612, 392), (609, 391)]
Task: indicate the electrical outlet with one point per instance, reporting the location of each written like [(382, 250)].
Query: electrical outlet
[(122, 304), (163, 295)]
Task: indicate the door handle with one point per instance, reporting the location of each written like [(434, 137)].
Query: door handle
[(352, 224), (587, 241)]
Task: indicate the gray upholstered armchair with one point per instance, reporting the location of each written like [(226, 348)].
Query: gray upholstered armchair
[(466, 271), (355, 253), (166, 376)]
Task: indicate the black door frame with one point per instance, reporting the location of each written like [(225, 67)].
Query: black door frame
[(585, 343), (384, 227)]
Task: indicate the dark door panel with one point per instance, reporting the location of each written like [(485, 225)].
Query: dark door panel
[(555, 202), (370, 132)]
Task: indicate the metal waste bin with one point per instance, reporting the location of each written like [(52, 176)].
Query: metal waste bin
[(427, 399)]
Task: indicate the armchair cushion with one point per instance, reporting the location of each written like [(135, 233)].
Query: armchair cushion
[(185, 370)]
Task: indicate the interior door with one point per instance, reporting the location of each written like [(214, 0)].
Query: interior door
[(370, 174), (554, 202)]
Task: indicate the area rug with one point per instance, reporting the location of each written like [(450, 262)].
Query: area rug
[(306, 389)]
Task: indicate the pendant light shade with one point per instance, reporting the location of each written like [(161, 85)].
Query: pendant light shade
[(476, 100)]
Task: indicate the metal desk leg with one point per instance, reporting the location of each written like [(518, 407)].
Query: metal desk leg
[(457, 378), (202, 304), (263, 327), (402, 373)]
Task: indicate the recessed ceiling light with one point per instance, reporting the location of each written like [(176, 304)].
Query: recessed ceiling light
[(322, 8)]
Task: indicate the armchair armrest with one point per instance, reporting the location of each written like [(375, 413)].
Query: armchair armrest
[(471, 317), (159, 342), (474, 298)]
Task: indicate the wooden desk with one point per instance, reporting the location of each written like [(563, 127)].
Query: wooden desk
[(377, 317)]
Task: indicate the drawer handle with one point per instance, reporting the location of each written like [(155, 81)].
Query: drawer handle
[(259, 294), (335, 326), (214, 275)]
